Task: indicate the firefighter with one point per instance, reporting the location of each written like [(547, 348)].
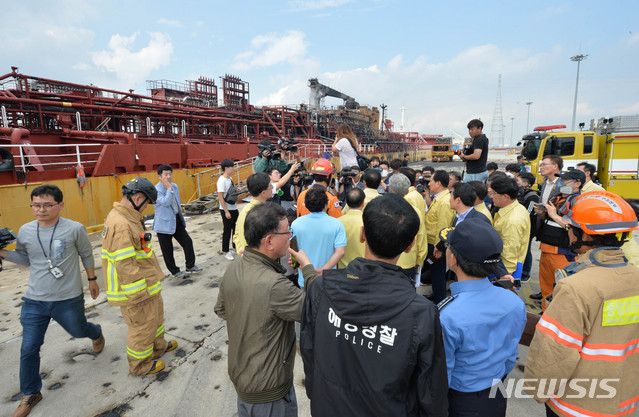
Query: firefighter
[(322, 172), (133, 275), (583, 359)]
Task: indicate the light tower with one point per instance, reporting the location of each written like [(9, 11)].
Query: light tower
[(497, 128), (578, 59), (528, 103)]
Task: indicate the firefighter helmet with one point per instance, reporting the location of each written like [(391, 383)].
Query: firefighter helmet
[(140, 185), (323, 167), (601, 212)]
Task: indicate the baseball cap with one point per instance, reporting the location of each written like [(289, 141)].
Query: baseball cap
[(573, 174), (477, 242)]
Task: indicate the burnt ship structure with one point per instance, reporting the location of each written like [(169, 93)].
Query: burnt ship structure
[(59, 131)]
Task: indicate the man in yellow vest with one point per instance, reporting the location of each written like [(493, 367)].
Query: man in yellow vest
[(439, 216), (353, 223)]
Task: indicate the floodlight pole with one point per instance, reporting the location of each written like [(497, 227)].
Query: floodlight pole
[(528, 103), (578, 59)]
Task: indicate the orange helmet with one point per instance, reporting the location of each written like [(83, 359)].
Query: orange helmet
[(323, 167), (601, 212)]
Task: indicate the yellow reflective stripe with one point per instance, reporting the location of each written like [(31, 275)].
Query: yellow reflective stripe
[(155, 288), (112, 284), (137, 286), (119, 254), (116, 297), (160, 330), (139, 355), (140, 254)]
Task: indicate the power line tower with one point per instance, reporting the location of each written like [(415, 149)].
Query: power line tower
[(497, 128)]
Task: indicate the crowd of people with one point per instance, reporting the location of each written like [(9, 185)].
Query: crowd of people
[(342, 253), (371, 345)]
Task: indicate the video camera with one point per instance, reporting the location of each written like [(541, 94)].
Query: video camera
[(289, 145), (346, 176), (7, 237), (422, 183), (302, 177), (276, 156)]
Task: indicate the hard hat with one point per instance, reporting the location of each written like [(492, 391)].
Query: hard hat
[(323, 167), (601, 212), (140, 185)]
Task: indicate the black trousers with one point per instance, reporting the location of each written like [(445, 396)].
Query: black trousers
[(476, 404), (183, 238), (229, 228), (550, 412), (438, 277)]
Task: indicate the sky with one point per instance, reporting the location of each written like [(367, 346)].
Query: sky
[(440, 61)]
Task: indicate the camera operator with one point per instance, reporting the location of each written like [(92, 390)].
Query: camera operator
[(269, 155), (349, 178), (422, 184), (299, 182), (475, 155), (279, 181)]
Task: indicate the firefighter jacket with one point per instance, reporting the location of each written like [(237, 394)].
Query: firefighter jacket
[(439, 216), (589, 336), (333, 203), (513, 225), (131, 270), (371, 346)]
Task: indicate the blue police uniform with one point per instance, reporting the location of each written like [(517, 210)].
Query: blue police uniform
[(482, 325)]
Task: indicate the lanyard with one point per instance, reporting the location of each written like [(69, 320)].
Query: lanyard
[(50, 241)]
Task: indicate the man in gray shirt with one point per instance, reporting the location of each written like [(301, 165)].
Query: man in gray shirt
[(50, 246)]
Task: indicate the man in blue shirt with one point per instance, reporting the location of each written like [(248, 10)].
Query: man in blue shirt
[(169, 223), (322, 237), (482, 324)]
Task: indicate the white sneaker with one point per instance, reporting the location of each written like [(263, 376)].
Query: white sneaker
[(228, 256)]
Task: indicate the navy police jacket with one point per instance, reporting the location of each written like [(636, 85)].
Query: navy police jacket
[(371, 345)]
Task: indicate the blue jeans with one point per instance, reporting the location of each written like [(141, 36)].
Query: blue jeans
[(35, 317), (481, 177), (528, 261)]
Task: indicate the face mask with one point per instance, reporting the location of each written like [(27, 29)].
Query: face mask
[(566, 189), (384, 173)]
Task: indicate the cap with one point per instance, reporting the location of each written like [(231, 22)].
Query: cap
[(573, 174), (477, 242)]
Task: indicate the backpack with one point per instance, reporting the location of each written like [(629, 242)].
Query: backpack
[(362, 161)]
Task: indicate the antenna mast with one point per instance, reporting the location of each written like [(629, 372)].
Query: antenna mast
[(497, 128)]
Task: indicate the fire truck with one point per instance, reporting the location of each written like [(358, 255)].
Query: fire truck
[(442, 150), (611, 144)]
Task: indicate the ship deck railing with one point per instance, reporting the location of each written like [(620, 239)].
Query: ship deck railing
[(78, 157)]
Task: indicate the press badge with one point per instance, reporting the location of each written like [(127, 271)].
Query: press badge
[(55, 271)]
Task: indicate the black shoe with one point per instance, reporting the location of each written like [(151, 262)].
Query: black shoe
[(536, 296), (525, 278)]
